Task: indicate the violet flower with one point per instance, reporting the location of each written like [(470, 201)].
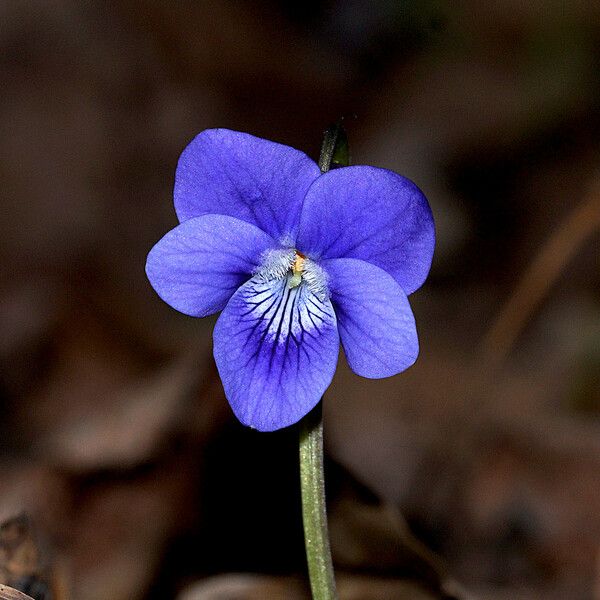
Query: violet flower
[(296, 260)]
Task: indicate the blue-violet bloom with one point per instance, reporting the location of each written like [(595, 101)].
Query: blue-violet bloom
[(297, 260)]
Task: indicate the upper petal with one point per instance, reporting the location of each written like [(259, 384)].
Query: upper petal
[(371, 214), (232, 173), (197, 266), (276, 349), (375, 321)]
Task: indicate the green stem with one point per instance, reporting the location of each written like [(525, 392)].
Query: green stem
[(334, 149), (314, 514), (334, 153)]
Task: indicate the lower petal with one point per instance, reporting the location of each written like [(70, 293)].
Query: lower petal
[(276, 349), (375, 321)]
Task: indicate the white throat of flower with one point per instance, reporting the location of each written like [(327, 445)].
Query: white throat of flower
[(296, 268)]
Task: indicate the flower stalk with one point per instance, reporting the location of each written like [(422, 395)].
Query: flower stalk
[(334, 153), (314, 514)]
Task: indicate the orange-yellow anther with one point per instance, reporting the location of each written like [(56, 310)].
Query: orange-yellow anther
[(298, 265)]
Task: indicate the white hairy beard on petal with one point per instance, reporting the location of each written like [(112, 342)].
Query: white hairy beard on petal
[(297, 269)]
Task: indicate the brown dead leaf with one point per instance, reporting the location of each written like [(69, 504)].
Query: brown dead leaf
[(8, 593), (235, 586), (22, 563)]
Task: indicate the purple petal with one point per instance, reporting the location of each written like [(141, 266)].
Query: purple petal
[(198, 265), (276, 349), (231, 173), (375, 321), (371, 214)]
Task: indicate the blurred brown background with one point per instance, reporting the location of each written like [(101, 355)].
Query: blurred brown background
[(115, 438)]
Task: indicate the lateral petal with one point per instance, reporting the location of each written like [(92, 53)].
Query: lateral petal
[(197, 266), (375, 321)]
